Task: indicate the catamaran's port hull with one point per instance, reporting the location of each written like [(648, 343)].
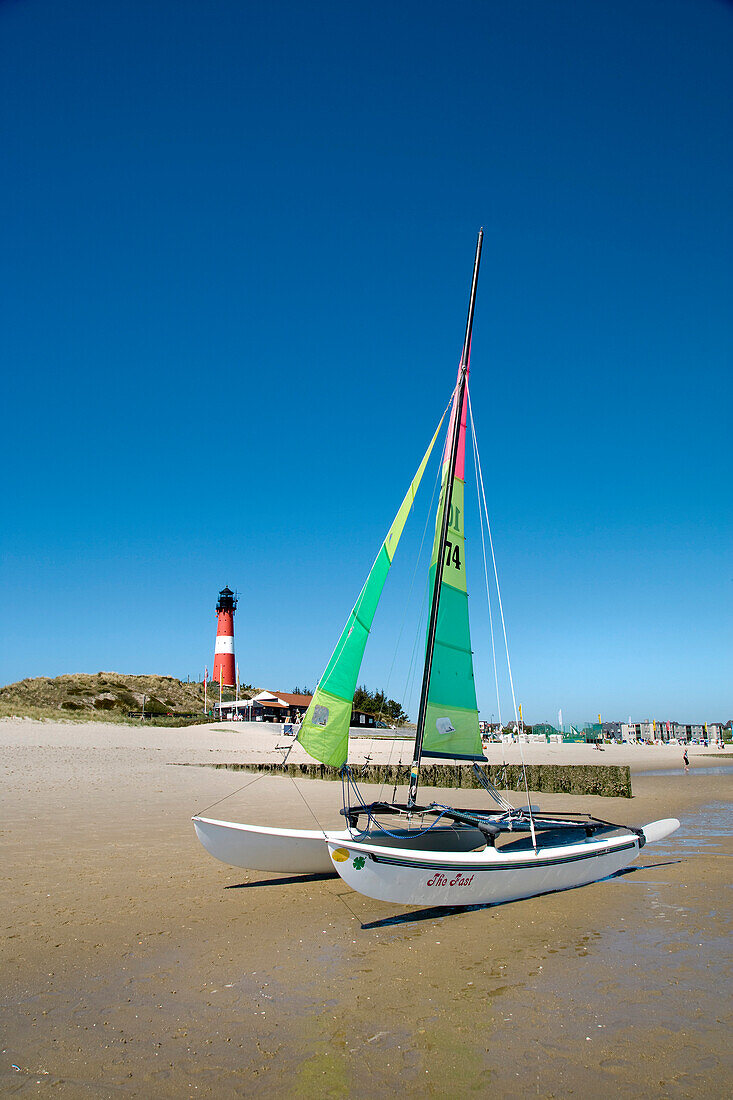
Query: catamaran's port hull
[(258, 848), (418, 878)]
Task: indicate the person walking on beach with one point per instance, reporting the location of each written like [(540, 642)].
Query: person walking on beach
[(686, 760)]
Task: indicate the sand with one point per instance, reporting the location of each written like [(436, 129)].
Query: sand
[(134, 964)]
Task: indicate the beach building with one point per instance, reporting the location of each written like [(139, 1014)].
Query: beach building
[(279, 706), (708, 731), (670, 731), (647, 731)]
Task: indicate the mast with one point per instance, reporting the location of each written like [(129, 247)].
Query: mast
[(450, 472)]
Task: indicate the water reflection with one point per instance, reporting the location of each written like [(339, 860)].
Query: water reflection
[(700, 829), (718, 769)]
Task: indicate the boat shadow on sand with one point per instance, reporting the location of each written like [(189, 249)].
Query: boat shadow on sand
[(433, 912), (288, 880)]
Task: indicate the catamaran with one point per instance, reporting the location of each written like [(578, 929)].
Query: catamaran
[(430, 853)]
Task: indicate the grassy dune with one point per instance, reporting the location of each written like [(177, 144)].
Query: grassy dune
[(104, 696)]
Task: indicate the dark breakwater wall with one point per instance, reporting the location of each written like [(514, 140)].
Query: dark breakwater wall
[(606, 780)]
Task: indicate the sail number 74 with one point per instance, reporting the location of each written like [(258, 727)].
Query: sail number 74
[(452, 557)]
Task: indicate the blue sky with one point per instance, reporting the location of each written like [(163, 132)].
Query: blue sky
[(237, 242)]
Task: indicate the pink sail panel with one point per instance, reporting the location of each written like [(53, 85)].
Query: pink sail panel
[(461, 455)]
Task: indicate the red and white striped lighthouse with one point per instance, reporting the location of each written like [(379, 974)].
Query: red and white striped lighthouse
[(223, 670)]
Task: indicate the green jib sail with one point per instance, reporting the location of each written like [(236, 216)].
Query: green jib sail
[(451, 717), (324, 733)]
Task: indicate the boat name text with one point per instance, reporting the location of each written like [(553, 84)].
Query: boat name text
[(439, 879)]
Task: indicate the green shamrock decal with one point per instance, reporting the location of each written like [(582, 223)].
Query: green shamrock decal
[(359, 863)]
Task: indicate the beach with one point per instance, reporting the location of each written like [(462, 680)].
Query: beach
[(135, 964)]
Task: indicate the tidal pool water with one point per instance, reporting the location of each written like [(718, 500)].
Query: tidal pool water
[(717, 769)]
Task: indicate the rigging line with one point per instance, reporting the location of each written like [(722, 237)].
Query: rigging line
[(342, 899), (389, 765), (411, 666), (486, 579), (307, 805), (397, 771), (390, 759), (230, 795), (489, 786), (417, 560), (288, 748), (486, 568), (371, 745), (498, 588), (355, 798), (357, 606), (506, 644)]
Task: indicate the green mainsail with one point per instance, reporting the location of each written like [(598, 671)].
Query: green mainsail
[(324, 733), (451, 716)]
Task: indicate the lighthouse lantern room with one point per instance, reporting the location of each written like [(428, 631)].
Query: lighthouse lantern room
[(224, 668)]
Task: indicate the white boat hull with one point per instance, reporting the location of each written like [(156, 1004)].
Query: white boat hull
[(259, 848), (410, 877)]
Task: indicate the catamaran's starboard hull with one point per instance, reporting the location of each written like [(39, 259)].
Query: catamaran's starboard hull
[(258, 848), (420, 878)]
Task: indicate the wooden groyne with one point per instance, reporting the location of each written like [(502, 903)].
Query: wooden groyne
[(606, 780)]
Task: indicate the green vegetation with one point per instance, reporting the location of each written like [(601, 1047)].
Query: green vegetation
[(605, 780), (377, 703), (106, 696), (371, 702)]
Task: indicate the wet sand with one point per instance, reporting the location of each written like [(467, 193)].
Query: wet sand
[(134, 964)]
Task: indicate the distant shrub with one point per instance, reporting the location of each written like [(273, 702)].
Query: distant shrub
[(126, 700), (154, 706)]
